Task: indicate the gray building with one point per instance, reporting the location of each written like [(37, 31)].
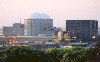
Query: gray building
[(98, 30), (1, 31), (34, 27), (38, 23), (82, 30), (16, 29), (7, 30)]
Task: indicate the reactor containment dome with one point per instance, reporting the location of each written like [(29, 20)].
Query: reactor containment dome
[(37, 15)]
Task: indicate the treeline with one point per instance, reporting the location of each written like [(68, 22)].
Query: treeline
[(28, 54)]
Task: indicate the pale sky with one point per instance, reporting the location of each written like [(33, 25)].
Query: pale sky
[(59, 10)]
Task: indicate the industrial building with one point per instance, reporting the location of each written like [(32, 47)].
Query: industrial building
[(41, 24), (82, 30), (16, 29)]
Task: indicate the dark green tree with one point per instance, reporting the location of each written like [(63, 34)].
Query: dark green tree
[(54, 54), (23, 54)]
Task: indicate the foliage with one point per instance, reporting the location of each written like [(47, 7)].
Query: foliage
[(93, 54), (23, 54), (54, 54), (72, 54), (27, 54)]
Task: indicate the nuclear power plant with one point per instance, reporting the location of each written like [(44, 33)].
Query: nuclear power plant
[(38, 24), (38, 27)]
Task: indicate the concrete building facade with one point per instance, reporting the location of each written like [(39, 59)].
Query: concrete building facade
[(7, 30), (98, 30), (38, 24), (34, 27), (82, 30), (16, 29)]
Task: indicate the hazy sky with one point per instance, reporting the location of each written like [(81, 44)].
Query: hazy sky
[(60, 10)]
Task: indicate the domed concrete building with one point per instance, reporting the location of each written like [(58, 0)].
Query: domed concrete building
[(38, 23), (37, 15)]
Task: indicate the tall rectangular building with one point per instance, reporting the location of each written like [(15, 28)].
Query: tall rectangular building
[(34, 27), (82, 30)]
